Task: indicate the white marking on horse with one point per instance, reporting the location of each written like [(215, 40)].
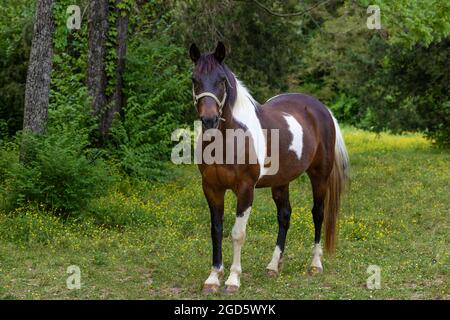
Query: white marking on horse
[(238, 235), (340, 147), (214, 277), (317, 254), (297, 135), (276, 257), (244, 111)]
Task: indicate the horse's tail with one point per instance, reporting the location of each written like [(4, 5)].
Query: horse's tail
[(337, 183)]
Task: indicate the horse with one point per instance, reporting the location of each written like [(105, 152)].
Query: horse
[(310, 141)]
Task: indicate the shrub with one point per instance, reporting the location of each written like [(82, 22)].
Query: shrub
[(345, 109), (57, 171), (159, 100)]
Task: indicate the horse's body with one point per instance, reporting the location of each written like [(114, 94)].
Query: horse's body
[(309, 141)]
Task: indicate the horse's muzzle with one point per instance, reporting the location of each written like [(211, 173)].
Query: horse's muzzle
[(210, 122)]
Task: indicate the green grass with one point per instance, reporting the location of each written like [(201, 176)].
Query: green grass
[(396, 216)]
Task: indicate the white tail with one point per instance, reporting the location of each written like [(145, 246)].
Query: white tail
[(335, 188), (341, 155)]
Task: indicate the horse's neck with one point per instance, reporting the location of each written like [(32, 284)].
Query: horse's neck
[(242, 110), (228, 121)]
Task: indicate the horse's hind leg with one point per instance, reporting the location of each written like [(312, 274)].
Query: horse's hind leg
[(281, 197), (319, 188)]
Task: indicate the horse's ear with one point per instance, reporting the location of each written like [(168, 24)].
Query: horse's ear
[(219, 53), (194, 53)]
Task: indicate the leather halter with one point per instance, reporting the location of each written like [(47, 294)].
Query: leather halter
[(221, 104)]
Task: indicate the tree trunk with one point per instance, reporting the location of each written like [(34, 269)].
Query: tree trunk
[(116, 103), (39, 70), (96, 75)]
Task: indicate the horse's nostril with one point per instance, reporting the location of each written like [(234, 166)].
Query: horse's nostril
[(209, 122)]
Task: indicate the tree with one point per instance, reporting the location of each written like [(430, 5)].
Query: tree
[(101, 61), (96, 74), (39, 70), (263, 47), (115, 103)]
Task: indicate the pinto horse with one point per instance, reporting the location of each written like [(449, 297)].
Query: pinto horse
[(310, 141)]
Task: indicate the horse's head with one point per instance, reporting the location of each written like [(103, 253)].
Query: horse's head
[(209, 84)]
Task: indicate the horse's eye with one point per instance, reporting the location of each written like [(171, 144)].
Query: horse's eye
[(221, 83)]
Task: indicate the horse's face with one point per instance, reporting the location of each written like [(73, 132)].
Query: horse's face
[(209, 84)]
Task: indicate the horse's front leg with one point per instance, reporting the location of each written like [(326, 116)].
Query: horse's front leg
[(215, 198), (244, 202)]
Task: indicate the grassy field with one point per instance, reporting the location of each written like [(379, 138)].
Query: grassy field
[(155, 243)]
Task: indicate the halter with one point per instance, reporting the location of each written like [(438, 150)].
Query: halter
[(221, 104)]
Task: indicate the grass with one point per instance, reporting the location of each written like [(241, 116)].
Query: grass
[(154, 242)]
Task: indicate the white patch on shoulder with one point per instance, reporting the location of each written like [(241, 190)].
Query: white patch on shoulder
[(297, 135), (244, 111)]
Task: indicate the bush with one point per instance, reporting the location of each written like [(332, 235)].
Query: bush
[(345, 108), (57, 172), (159, 100)]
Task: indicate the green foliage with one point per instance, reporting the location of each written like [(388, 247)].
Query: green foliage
[(392, 79), (159, 100), (395, 216), (111, 53), (108, 212), (31, 225), (16, 26), (414, 22), (345, 108), (57, 172), (397, 80), (263, 50), (59, 169)]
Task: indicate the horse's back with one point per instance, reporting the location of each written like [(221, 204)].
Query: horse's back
[(297, 102), (312, 114), (316, 124)]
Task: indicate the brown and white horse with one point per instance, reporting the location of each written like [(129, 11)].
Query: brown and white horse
[(309, 141)]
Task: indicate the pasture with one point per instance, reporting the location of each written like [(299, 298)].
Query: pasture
[(152, 240)]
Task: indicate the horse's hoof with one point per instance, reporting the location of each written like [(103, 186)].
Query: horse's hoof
[(231, 289), (272, 273), (315, 270), (210, 288)]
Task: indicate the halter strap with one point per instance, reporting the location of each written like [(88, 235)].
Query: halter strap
[(221, 104)]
